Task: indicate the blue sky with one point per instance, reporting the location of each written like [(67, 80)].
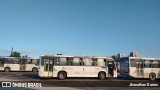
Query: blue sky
[(80, 27)]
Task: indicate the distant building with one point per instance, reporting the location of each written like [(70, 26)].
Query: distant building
[(120, 55), (134, 54)]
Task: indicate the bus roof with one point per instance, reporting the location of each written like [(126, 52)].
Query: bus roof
[(12, 57), (81, 56), (143, 58), (103, 57), (56, 56)]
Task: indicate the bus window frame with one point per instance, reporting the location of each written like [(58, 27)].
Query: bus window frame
[(77, 62)]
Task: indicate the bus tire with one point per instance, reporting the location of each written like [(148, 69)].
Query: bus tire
[(7, 69), (62, 75), (34, 69), (102, 75), (152, 76)]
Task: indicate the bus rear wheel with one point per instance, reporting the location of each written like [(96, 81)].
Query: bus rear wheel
[(7, 69), (152, 76), (102, 75), (62, 75)]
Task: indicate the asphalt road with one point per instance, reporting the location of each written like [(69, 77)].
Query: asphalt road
[(76, 83)]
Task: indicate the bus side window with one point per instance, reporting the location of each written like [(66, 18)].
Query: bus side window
[(81, 62), (146, 63), (58, 61), (133, 62), (155, 63), (15, 61), (55, 61), (151, 64), (69, 61), (94, 62), (76, 62), (63, 61), (9, 61), (105, 62)]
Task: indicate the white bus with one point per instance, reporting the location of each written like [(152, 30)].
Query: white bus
[(139, 67), (63, 66), (18, 64)]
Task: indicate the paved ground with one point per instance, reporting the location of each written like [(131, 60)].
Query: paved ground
[(74, 83)]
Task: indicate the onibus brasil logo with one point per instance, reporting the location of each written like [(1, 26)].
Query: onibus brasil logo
[(20, 84)]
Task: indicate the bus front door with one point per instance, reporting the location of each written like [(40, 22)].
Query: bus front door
[(140, 69), (48, 67), (110, 69)]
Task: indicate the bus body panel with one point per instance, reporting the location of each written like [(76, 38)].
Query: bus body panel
[(29, 67), (41, 71), (133, 71), (147, 71), (13, 67), (90, 71), (74, 71), (115, 73), (1, 68)]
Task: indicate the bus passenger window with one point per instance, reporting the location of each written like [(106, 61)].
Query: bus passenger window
[(58, 61), (94, 62), (87, 61), (76, 61), (155, 63), (133, 62), (81, 62), (105, 61), (146, 63), (63, 61), (151, 64), (69, 61), (55, 61)]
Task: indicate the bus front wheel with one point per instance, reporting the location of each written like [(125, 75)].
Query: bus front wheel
[(7, 69), (152, 76), (102, 75), (62, 75)]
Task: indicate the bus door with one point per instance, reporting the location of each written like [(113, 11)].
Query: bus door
[(1, 64), (48, 67), (140, 68), (112, 71)]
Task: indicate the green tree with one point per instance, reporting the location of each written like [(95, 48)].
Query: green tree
[(15, 54)]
